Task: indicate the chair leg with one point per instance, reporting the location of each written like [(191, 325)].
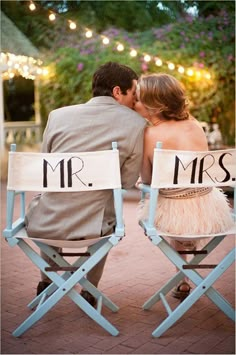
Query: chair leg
[(65, 287), (97, 293), (164, 290), (179, 276), (203, 287), (53, 299)]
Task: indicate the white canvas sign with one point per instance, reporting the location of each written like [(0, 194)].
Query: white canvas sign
[(64, 171), (192, 169)]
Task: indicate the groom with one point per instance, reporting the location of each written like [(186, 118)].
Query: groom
[(107, 117)]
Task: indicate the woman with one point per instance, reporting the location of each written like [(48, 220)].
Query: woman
[(161, 99)]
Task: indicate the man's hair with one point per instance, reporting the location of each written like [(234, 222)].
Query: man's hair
[(112, 74)]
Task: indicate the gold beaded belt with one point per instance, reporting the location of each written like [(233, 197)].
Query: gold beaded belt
[(185, 193)]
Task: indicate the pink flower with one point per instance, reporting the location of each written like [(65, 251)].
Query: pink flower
[(80, 66), (202, 54), (144, 67)]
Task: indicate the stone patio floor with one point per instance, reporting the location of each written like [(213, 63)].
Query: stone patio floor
[(134, 271)]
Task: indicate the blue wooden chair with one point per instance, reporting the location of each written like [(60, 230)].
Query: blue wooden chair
[(181, 169), (31, 172)]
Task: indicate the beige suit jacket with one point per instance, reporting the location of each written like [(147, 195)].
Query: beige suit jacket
[(87, 127)]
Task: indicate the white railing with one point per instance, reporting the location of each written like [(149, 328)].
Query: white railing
[(23, 132)]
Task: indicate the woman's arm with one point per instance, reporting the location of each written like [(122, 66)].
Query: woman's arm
[(146, 169)]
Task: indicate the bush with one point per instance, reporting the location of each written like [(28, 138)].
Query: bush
[(205, 44)]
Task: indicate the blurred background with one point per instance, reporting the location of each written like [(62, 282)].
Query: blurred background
[(50, 50)]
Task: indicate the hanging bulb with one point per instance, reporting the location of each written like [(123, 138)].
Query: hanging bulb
[(171, 66), (158, 62), (88, 34), (190, 72), (147, 58), (120, 47), (208, 76), (181, 70), (133, 53), (52, 16), (105, 40), (72, 25), (32, 6)]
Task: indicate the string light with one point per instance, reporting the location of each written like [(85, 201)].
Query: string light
[(32, 6), (190, 72), (147, 58), (27, 67), (208, 76), (105, 40), (198, 74), (89, 33), (120, 47), (72, 25), (52, 16), (133, 52), (171, 66), (181, 69), (158, 62)]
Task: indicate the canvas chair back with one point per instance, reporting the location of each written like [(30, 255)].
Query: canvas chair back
[(64, 172), (189, 169)]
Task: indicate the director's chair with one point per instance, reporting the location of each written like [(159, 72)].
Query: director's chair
[(186, 169), (48, 172)]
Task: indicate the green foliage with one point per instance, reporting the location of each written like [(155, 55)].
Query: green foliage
[(204, 42)]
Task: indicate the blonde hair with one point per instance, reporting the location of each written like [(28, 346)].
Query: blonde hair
[(162, 93)]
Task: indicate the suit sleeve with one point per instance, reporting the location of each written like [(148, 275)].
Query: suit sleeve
[(46, 146), (131, 168)]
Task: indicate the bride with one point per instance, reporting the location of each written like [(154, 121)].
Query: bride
[(161, 99)]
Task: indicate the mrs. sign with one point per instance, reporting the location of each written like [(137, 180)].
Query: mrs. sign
[(187, 168)]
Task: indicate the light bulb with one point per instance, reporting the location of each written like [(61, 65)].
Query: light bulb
[(147, 58), (105, 40), (52, 17), (171, 66), (158, 62), (120, 47), (32, 6), (190, 72), (181, 70), (72, 25), (208, 76), (133, 53), (89, 34)]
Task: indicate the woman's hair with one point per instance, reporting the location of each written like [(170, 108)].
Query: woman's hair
[(162, 93)]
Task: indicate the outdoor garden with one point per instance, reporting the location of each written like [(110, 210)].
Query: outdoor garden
[(192, 40)]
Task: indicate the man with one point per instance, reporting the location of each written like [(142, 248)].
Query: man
[(107, 117)]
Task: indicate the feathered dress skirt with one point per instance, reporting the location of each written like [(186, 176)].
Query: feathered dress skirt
[(190, 217)]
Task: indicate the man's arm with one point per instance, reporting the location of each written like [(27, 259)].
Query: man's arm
[(131, 168), (45, 145)]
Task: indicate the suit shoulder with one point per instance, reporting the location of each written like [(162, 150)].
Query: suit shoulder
[(132, 115), (66, 109)]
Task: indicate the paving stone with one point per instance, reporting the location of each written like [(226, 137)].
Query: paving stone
[(135, 269)]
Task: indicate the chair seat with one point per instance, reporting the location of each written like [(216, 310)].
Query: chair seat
[(230, 232), (22, 234)]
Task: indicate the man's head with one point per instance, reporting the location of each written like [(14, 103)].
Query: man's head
[(115, 80)]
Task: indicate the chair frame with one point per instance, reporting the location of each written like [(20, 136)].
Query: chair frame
[(73, 274), (203, 285)]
